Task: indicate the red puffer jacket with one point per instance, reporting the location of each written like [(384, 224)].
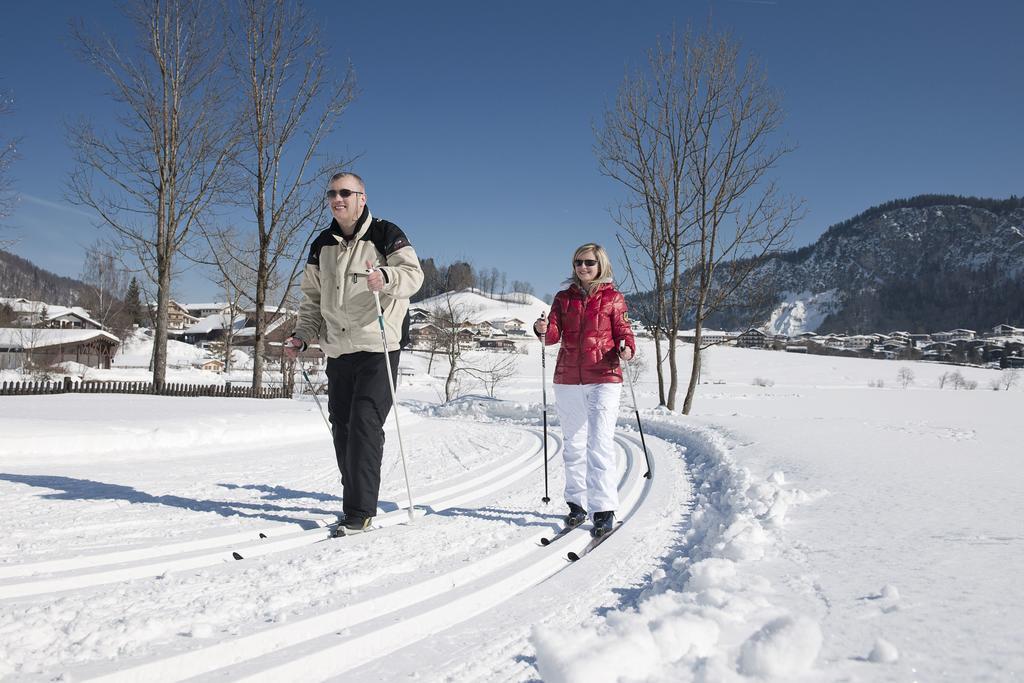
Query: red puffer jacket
[(590, 327)]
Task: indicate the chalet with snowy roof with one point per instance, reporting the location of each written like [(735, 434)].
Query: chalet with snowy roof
[(423, 333), (509, 325), (213, 327), (1005, 330), (497, 344), (45, 347), (419, 315), (752, 339), (211, 364), (31, 313), (178, 317), (707, 337), (202, 310), (858, 342), (962, 334)]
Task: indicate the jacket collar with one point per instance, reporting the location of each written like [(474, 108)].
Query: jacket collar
[(595, 288), (362, 225)]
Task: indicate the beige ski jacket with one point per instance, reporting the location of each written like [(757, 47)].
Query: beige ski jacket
[(337, 307)]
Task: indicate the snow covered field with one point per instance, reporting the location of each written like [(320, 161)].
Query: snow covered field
[(800, 526)]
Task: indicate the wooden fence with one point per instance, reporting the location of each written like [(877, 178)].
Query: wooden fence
[(69, 386)]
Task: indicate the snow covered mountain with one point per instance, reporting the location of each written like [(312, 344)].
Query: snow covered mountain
[(922, 264)]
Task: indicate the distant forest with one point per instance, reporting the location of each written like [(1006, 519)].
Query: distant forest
[(20, 278), (933, 300)]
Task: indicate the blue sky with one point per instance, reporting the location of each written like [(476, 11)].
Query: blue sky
[(475, 118)]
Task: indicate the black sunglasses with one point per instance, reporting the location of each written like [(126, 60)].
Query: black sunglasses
[(585, 262), (344, 194)]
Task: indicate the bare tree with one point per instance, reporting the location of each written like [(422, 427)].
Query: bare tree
[(644, 145), (739, 215), (229, 318), (450, 319), (153, 177), (492, 370), (106, 283), (8, 155), (691, 142), (292, 103)]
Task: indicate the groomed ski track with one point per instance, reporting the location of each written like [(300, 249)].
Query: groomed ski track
[(390, 623)]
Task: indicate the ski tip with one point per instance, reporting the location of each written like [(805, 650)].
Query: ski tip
[(262, 535), (237, 556), (573, 557)]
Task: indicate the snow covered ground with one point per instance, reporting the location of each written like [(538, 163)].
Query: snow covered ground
[(800, 526)]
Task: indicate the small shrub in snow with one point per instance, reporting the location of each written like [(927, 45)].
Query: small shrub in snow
[(1008, 378), (876, 383), (905, 377), (970, 385), (762, 382)]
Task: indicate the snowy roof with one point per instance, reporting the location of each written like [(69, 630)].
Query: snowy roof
[(217, 304), (214, 321), (53, 311), (37, 338), (271, 326)]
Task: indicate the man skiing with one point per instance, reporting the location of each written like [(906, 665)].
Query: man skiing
[(357, 256)]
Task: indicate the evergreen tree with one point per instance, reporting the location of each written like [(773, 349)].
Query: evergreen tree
[(133, 303)]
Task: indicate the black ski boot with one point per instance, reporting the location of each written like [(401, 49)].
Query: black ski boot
[(603, 522), (576, 516), (352, 525)]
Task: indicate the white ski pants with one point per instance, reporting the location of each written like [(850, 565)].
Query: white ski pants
[(588, 413)]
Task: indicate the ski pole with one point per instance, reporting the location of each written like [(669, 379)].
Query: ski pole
[(319, 405), (647, 457), (544, 397), (394, 398)]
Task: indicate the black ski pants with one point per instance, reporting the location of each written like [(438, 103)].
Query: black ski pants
[(359, 400)]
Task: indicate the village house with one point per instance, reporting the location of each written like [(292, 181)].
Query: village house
[(752, 339), (707, 337), (1005, 330), (22, 347), (178, 317), (962, 334), (498, 344)]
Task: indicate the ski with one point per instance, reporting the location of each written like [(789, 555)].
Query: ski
[(564, 531), (594, 542)]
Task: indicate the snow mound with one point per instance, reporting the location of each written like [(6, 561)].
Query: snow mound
[(479, 307), (709, 586), (884, 652), (786, 646), (483, 409)]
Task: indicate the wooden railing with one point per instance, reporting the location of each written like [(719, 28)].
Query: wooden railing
[(69, 386)]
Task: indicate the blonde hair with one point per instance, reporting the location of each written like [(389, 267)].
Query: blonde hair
[(604, 265)]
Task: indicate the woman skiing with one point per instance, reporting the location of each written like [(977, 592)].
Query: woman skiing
[(590, 318)]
